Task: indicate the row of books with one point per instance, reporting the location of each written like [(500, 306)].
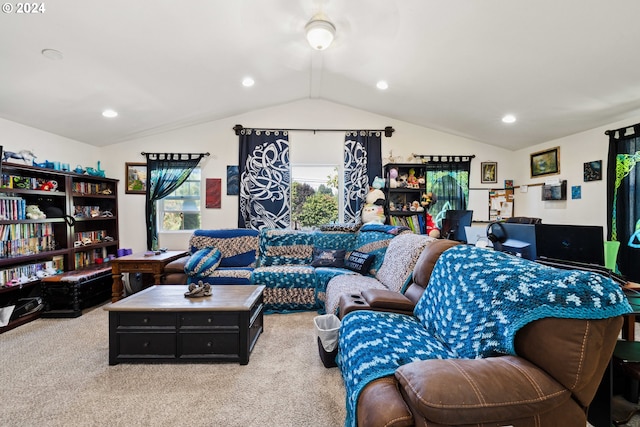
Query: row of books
[(29, 272), (27, 246), (87, 258), (24, 231), (415, 222), (94, 236), (90, 188), (12, 208)]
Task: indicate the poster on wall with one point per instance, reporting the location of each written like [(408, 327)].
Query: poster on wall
[(213, 193), (233, 181)]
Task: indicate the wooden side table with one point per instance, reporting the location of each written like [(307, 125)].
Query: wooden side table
[(140, 263)]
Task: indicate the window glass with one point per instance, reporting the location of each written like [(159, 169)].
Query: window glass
[(180, 210), (314, 195)]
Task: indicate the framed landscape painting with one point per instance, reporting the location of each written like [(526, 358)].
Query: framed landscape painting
[(545, 162), (136, 178)]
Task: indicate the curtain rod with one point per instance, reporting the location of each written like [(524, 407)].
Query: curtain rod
[(182, 154), (440, 156), (623, 130), (388, 131)]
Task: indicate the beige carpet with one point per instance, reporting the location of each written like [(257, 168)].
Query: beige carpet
[(55, 372)]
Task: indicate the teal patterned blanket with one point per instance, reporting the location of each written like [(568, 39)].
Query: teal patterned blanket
[(476, 301)]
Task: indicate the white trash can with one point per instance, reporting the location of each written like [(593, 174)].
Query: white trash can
[(327, 329)]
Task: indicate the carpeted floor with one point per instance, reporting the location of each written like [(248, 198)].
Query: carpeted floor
[(55, 372)]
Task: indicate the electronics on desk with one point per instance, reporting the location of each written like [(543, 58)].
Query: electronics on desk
[(577, 243), (454, 223), (477, 235), (513, 238)]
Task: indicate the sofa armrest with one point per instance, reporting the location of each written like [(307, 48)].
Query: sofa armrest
[(476, 391), (176, 266), (383, 298)]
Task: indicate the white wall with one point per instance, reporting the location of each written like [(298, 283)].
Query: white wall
[(47, 146), (575, 150), (218, 138)]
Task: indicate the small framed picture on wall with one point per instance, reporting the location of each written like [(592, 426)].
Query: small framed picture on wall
[(489, 172), (136, 178)]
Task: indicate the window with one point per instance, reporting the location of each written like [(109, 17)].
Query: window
[(180, 210), (314, 195)]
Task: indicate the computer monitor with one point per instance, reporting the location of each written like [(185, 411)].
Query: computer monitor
[(577, 243), (454, 222), (520, 240)]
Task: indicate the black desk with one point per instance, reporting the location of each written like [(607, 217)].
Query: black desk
[(601, 409)]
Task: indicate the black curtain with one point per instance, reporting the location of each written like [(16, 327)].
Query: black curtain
[(362, 163), (165, 173), (623, 183), (265, 179)]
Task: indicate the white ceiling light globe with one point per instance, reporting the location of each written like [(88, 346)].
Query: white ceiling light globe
[(320, 32)]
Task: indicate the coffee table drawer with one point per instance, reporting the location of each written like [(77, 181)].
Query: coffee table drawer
[(147, 344), (208, 319), (209, 344), (146, 319)]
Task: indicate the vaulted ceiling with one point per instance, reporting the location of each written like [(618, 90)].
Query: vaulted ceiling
[(560, 67)]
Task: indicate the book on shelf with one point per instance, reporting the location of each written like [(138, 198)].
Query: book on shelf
[(414, 222)]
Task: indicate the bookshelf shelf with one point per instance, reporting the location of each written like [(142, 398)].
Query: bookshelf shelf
[(33, 240)]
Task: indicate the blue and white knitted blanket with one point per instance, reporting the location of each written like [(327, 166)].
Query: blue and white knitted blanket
[(476, 301)]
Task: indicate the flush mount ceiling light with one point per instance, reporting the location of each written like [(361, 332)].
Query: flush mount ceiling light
[(509, 118), (248, 82), (320, 32), (382, 85), (110, 114)]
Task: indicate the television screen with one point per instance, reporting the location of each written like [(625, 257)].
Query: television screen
[(454, 222), (577, 243)]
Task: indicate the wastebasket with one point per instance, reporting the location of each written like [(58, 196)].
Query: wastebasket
[(327, 328)]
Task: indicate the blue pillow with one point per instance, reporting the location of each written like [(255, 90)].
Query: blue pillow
[(203, 262)]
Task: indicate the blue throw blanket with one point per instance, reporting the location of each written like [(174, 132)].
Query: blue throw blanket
[(476, 301)]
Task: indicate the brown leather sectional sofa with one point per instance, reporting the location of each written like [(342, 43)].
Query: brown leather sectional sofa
[(551, 381)]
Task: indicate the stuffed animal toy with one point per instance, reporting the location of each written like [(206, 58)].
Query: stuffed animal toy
[(378, 183), (402, 180), (412, 180), (373, 214), (375, 197), (34, 212), (393, 178)]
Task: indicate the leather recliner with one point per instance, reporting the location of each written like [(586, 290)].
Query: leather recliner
[(551, 382)]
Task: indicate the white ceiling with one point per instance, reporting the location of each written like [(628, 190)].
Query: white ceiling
[(561, 66)]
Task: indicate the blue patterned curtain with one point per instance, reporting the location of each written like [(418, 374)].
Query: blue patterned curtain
[(623, 182), (165, 173), (447, 177), (362, 163), (265, 179)]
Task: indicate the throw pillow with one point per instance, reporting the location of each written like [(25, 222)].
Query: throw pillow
[(203, 262), (360, 262), (328, 257)]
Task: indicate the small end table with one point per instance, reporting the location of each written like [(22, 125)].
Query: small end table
[(140, 262)]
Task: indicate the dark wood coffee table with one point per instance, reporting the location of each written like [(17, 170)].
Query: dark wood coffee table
[(159, 324)]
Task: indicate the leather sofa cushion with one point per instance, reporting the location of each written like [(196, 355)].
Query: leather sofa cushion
[(384, 298), (470, 391)]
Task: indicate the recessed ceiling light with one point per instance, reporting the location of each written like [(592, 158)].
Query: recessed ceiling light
[(248, 82), (52, 54), (110, 113), (509, 118), (382, 85)]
